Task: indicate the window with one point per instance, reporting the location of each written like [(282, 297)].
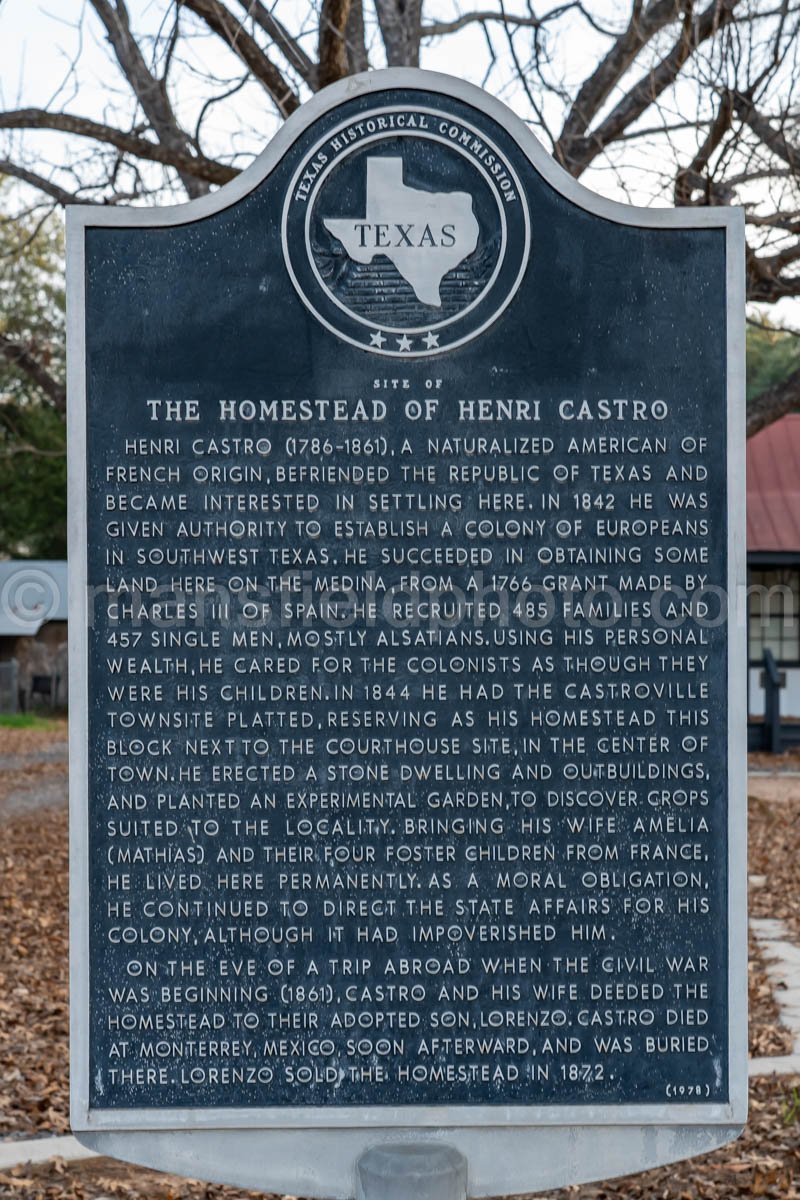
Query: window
[(774, 613)]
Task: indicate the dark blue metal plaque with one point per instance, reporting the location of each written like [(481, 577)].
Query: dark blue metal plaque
[(408, 552)]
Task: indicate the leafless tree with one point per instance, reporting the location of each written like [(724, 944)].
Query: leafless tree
[(691, 102)]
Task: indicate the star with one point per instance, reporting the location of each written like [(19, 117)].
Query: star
[(431, 340), (376, 339), (404, 342)]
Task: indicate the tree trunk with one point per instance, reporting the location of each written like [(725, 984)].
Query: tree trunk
[(782, 398), (400, 22), (333, 59)]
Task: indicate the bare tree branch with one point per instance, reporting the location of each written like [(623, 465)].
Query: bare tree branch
[(686, 182), (222, 22), (149, 91), (128, 143), (643, 26), (764, 283), (481, 17), (289, 47), (775, 263), (333, 60), (774, 403), (584, 150), (535, 106), (20, 356), (59, 194), (776, 141), (400, 22), (213, 100), (788, 221), (725, 75), (356, 39)]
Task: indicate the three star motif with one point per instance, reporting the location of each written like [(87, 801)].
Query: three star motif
[(404, 343)]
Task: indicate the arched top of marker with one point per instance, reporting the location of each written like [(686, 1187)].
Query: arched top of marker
[(379, 85)]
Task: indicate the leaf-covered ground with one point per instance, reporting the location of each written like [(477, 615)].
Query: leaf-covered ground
[(34, 1024), (774, 850)]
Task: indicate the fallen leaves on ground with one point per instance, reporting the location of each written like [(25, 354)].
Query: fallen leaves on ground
[(34, 1021), (788, 760), (764, 1161), (37, 739), (774, 835)]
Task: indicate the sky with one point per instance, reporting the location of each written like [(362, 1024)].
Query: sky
[(40, 39)]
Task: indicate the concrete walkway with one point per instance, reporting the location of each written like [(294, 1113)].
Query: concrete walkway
[(36, 1150), (782, 962), (25, 791)]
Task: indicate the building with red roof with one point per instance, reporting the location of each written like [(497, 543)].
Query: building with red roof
[(773, 562)]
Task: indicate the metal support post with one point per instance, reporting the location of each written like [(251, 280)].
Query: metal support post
[(411, 1171)]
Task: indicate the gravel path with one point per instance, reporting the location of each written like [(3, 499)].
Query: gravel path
[(33, 768), (16, 762), (779, 788), (781, 960)]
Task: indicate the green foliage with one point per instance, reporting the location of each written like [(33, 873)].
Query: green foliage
[(791, 1108), (27, 721), (33, 464), (33, 481), (772, 354)]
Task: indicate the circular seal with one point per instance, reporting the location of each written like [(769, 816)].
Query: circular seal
[(30, 596), (406, 231)]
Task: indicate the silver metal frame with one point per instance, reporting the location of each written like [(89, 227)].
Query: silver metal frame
[(312, 1150)]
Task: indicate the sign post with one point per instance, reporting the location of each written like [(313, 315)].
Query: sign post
[(407, 696)]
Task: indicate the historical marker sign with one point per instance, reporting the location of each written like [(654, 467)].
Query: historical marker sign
[(407, 723)]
